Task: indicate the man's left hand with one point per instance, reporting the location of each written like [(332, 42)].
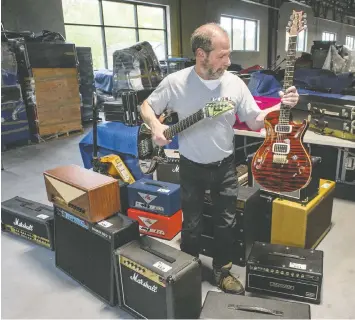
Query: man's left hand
[(290, 98)]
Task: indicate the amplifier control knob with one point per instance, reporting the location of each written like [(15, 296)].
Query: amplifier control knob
[(282, 272), (302, 275), (292, 274), (267, 269), (297, 275), (272, 270)]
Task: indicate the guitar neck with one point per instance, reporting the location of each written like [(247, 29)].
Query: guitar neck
[(288, 79), (183, 124)]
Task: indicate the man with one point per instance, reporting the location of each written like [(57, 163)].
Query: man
[(207, 148)]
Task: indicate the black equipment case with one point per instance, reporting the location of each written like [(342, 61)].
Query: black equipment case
[(220, 305), (248, 217), (156, 281), (287, 272), (31, 220), (84, 250)]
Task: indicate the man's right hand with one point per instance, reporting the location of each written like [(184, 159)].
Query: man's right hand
[(158, 134)]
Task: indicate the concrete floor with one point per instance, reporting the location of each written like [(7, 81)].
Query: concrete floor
[(32, 287)]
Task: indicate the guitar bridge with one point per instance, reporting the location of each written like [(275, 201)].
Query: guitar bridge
[(279, 158)]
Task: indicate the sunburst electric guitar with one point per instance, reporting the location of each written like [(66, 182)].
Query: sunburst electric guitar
[(282, 164), (150, 154)]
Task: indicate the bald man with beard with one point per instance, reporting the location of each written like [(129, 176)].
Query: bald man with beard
[(207, 148)]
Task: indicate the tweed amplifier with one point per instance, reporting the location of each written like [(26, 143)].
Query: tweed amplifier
[(85, 193), (156, 281), (287, 272), (83, 250), (28, 219)]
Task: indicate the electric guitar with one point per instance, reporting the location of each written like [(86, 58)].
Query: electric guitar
[(150, 154), (282, 164)]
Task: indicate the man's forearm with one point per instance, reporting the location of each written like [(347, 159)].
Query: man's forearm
[(148, 115), (258, 122)]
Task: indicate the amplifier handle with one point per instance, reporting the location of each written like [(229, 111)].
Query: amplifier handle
[(32, 206), (154, 184), (158, 254), (256, 309), (287, 255)]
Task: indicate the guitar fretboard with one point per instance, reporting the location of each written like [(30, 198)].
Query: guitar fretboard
[(183, 124), (288, 80)]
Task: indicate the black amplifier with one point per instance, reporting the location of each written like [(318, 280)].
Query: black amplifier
[(156, 281), (169, 171), (84, 250), (219, 305), (31, 220), (249, 217), (287, 272)]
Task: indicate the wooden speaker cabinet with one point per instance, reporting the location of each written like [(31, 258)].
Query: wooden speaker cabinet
[(85, 193)]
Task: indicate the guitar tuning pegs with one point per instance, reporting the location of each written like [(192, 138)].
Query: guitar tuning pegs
[(288, 29), (304, 15), (289, 24), (305, 22), (291, 17)]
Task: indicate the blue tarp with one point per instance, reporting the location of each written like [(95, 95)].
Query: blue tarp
[(116, 138), (104, 80), (262, 84)]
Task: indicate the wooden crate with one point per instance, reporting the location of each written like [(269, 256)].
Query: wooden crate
[(57, 100)]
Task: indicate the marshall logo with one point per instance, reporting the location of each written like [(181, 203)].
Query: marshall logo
[(143, 283), (148, 198), (281, 285), (23, 225), (176, 169)]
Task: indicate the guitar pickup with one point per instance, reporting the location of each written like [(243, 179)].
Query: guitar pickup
[(283, 128), (281, 148)]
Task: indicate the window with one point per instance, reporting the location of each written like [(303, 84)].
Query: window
[(243, 33), (107, 26), (350, 42), (301, 41), (329, 36)]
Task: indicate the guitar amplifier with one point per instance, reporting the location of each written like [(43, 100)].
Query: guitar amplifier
[(303, 225), (302, 195), (154, 196), (28, 219), (286, 272), (250, 215), (169, 171), (156, 225), (85, 193), (83, 250), (219, 305), (156, 281)]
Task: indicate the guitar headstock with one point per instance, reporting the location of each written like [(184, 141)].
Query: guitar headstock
[(297, 23), (218, 106)]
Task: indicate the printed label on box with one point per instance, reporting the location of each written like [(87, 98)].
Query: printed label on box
[(298, 266), (105, 224), (162, 266), (42, 216)]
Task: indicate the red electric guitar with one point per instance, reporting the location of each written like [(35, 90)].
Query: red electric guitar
[(282, 164)]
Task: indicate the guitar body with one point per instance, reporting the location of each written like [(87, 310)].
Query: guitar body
[(149, 154), (279, 168)]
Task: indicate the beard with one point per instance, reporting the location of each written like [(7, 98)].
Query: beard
[(211, 73)]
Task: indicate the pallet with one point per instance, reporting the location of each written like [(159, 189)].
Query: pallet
[(59, 135)]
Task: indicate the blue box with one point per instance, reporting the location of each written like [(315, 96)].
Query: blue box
[(154, 196)]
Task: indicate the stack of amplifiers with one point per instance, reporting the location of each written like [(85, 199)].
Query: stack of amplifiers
[(87, 82), (50, 87), (156, 281), (83, 250), (286, 272), (249, 216), (328, 116), (302, 195)]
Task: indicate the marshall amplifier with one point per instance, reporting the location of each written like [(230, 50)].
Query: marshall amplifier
[(84, 250), (219, 305), (156, 281), (169, 170), (154, 196), (28, 219), (286, 272)]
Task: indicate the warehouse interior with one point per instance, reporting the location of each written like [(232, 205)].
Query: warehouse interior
[(75, 74)]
